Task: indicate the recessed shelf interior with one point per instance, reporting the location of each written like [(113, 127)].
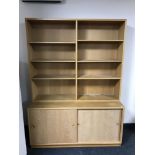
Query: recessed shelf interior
[(100, 51), (51, 31), (100, 30), (98, 89), (45, 90), (99, 70), (53, 52), (53, 70)]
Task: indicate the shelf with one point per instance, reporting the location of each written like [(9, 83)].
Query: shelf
[(85, 77), (96, 97), (109, 41), (46, 60), (38, 42), (49, 98), (99, 61), (54, 77), (77, 105)]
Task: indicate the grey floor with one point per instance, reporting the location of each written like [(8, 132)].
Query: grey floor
[(127, 148)]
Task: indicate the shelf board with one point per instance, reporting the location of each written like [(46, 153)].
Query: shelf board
[(39, 42), (98, 41), (52, 77), (47, 60), (77, 105), (49, 98), (96, 97), (110, 77), (99, 61)]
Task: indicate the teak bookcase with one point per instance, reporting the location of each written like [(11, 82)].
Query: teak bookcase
[(75, 71)]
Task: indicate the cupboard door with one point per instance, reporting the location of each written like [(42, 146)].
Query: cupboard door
[(49, 126), (99, 126)]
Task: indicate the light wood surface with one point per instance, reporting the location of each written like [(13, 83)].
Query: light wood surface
[(53, 89), (52, 126), (76, 105), (71, 145), (76, 49), (99, 69), (98, 126), (54, 68), (92, 89), (75, 68), (98, 51), (91, 30), (53, 51), (51, 42), (54, 31)]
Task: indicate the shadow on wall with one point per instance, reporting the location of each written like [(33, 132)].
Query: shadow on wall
[(23, 70), (25, 88), (127, 96)]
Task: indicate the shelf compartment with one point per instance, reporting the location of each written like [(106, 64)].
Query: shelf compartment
[(51, 31), (100, 51), (54, 52), (53, 70), (101, 30), (98, 89), (99, 70), (48, 90)]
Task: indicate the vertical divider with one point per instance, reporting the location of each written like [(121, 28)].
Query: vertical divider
[(76, 58), (122, 59)]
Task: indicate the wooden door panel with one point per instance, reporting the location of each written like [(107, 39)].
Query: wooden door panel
[(99, 126), (52, 126)]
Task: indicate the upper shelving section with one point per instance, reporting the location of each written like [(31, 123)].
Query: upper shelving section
[(106, 30), (75, 59), (51, 31)]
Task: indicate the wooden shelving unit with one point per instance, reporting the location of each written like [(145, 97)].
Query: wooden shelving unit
[(75, 61)]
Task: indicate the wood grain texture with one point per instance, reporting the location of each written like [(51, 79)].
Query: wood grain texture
[(75, 65), (97, 89), (53, 51), (54, 31), (76, 105), (98, 30), (46, 89), (99, 126), (52, 126)]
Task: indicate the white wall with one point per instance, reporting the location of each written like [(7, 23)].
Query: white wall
[(84, 9)]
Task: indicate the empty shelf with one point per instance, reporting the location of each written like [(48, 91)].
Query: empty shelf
[(98, 77), (99, 61), (47, 60), (40, 42), (96, 97), (51, 76), (110, 41), (55, 97)]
